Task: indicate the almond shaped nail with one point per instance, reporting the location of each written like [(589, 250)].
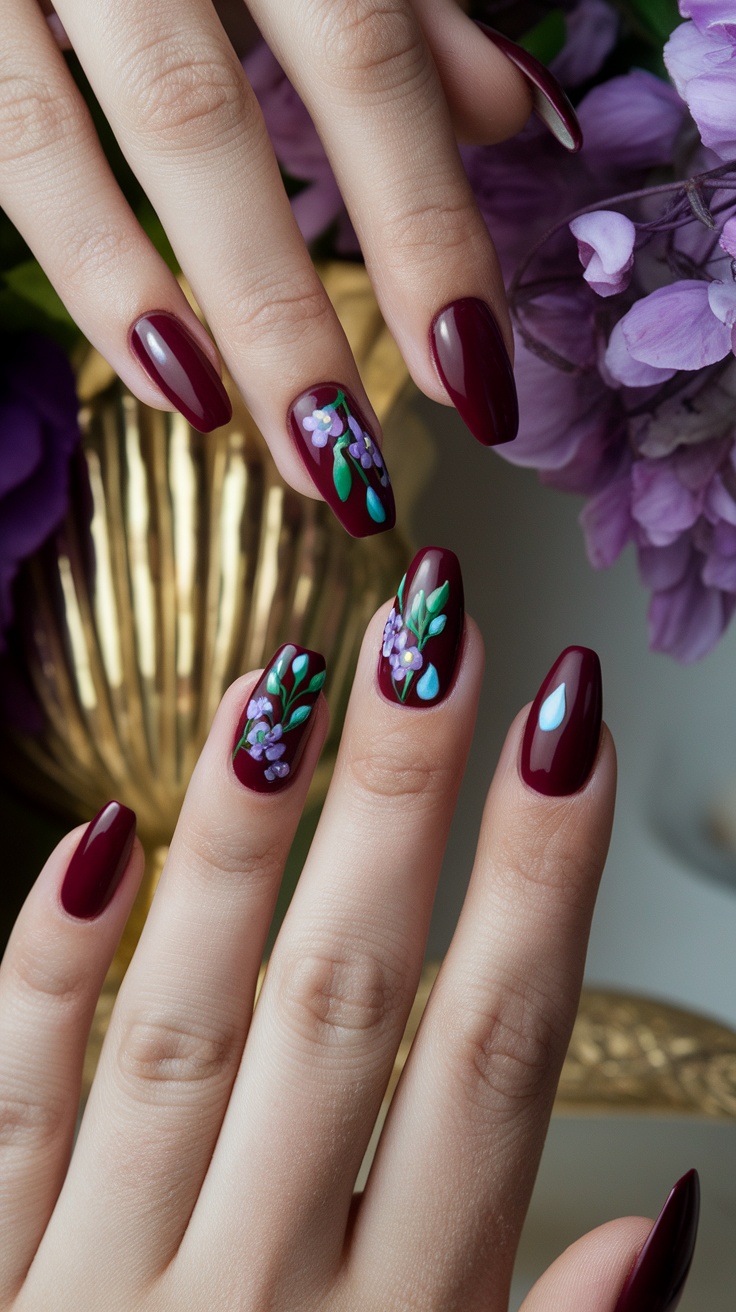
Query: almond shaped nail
[(658, 1276), (471, 358), (276, 720), (423, 633), (551, 104), (99, 862), (343, 459), (564, 725), (176, 363)]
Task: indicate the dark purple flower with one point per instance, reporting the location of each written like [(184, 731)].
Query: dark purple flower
[(393, 625), (278, 770), (592, 28), (363, 448), (39, 433), (265, 741), (404, 657)]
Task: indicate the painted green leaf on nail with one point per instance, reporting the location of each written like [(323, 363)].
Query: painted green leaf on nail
[(437, 625), (417, 604), (298, 717), (437, 599), (272, 682), (341, 475), (299, 668), (315, 683), (400, 595)]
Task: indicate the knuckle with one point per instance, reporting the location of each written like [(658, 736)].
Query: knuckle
[(175, 97), (40, 974), (507, 1051), (230, 858), (96, 254), (338, 997), (443, 224), (24, 1123), (373, 41), (159, 1054), (34, 116), (552, 855), (393, 771), (278, 310)]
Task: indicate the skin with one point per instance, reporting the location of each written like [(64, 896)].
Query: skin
[(390, 85), (217, 1157)]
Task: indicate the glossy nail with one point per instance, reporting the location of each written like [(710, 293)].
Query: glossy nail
[(274, 726), (472, 361), (657, 1278), (564, 725), (99, 862), (423, 633), (343, 459), (179, 367), (550, 101)]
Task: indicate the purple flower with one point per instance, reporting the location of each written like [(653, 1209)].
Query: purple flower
[(701, 60), (363, 448), (404, 657), (630, 123), (258, 706), (675, 327), (265, 741), (39, 433), (393, 625), (592, 28), (606, 249), (323, 424), (278, 770), (728, 237)]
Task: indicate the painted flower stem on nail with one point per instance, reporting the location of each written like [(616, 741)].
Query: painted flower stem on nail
[(422, 633), (281, 704), (344, 459)]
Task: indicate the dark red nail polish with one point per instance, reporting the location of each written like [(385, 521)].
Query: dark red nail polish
[(550, 102), (422, 636), (178, 365), (343, 459), (99, 862), (473, 363), (657, 1278), (564, 725), (273, 727)]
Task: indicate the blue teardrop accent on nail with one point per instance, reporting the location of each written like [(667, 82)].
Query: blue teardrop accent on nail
[(299, 664), (429, 684), (376, 511), (552, 710)]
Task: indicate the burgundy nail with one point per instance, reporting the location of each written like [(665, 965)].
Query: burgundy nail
[(421, 640), (564, 725), (657, 1278), (550, 101), (273, 727), (179, 367), (343, 459), (99, 862), (473, 363)]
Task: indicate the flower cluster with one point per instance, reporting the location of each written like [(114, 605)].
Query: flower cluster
[(400, 648), (264, 739)]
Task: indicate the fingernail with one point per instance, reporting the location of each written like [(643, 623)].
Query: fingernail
[(550, 101), (422, 636), (274, 726), (474, 365), (564, 725), (343, 459), (99, 862), (657, 1278), (179, 367)]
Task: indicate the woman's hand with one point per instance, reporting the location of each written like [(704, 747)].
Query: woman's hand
[(388, 83), (219, 1149)]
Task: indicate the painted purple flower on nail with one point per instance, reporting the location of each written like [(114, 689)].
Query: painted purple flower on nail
[(265, 740), (404, 657), (323, 424), (258, 707), (394, 624), (278, 770), (363, 449)]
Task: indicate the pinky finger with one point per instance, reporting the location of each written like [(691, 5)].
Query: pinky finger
[(627, 1265), (50, 979)]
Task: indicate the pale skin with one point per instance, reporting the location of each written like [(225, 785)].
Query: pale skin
[(217, 1157), (390, 85)]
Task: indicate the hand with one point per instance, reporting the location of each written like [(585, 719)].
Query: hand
[(388, 85), (217, 1155)]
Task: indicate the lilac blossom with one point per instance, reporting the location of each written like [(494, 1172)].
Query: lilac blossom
[(404, 657), (265, 740), (39, 434), (728, 237), (363, 448), (394, 624), (591, 31), (258, 707), (277, 770), (323, 424), (606, 249), (701, 59)]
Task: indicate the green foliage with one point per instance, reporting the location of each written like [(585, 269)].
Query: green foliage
[(297, 717), (654, 20), (437, 599), (548, 37), (316, 681), (341, 475), (29, 303), (272, 683)]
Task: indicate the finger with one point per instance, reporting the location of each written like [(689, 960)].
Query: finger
[(369, 81), (628, 1265), (461, 1146), (180, 1020), (176, 96), (345, 967), (50, 979), (58, 189)]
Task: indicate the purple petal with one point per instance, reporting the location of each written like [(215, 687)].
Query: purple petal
[(273, 753), (719, 503), (21, 444), (664, 567), (728, 237), (675, 328), (687, 621), (336, 427), (711, 101), (606, 248), (710, 14), (689, 53), (630, 122), (722, 300), (720, 572), (310, 423), (659, 502), (624, 369), (607, 523), (592, 27)]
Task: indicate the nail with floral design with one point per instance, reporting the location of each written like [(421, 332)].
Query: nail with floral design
[(422, 635), (273, 727), (343, 459)]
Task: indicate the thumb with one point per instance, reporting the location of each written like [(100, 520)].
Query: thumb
[(627, 1265)]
